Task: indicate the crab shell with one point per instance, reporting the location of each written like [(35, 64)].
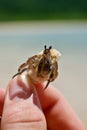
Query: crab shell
[(55, 56), (54, 53)]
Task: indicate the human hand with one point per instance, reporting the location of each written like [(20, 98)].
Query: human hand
[(22, 110)]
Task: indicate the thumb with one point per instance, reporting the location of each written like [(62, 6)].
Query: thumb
[(22, 109)]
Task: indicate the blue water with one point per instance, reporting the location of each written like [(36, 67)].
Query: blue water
[(66, 40), (21, 41)]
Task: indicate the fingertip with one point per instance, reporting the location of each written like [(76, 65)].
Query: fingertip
[(48, 96), (2, 96), (57, 110), (2, 93), (19, 107)]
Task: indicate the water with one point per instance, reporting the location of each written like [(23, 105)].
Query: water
[(18, 41)]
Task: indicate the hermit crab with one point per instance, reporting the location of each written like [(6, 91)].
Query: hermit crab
[(41, 67)]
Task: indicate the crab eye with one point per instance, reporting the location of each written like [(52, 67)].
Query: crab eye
[(50, 47), (45, 47)]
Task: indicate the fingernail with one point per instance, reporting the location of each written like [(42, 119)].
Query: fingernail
[(20, 89)]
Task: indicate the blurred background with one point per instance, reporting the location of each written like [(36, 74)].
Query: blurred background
[(26, 26), (42, 9)]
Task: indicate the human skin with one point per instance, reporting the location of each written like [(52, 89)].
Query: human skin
[(22, 109)]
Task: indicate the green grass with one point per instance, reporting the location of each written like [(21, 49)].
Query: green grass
[(49, 16)]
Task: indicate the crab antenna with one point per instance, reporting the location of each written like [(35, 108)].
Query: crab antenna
[(50, 47)]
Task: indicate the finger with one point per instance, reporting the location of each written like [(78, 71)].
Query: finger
[(2, 96), (58, 112), (21, 108)]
